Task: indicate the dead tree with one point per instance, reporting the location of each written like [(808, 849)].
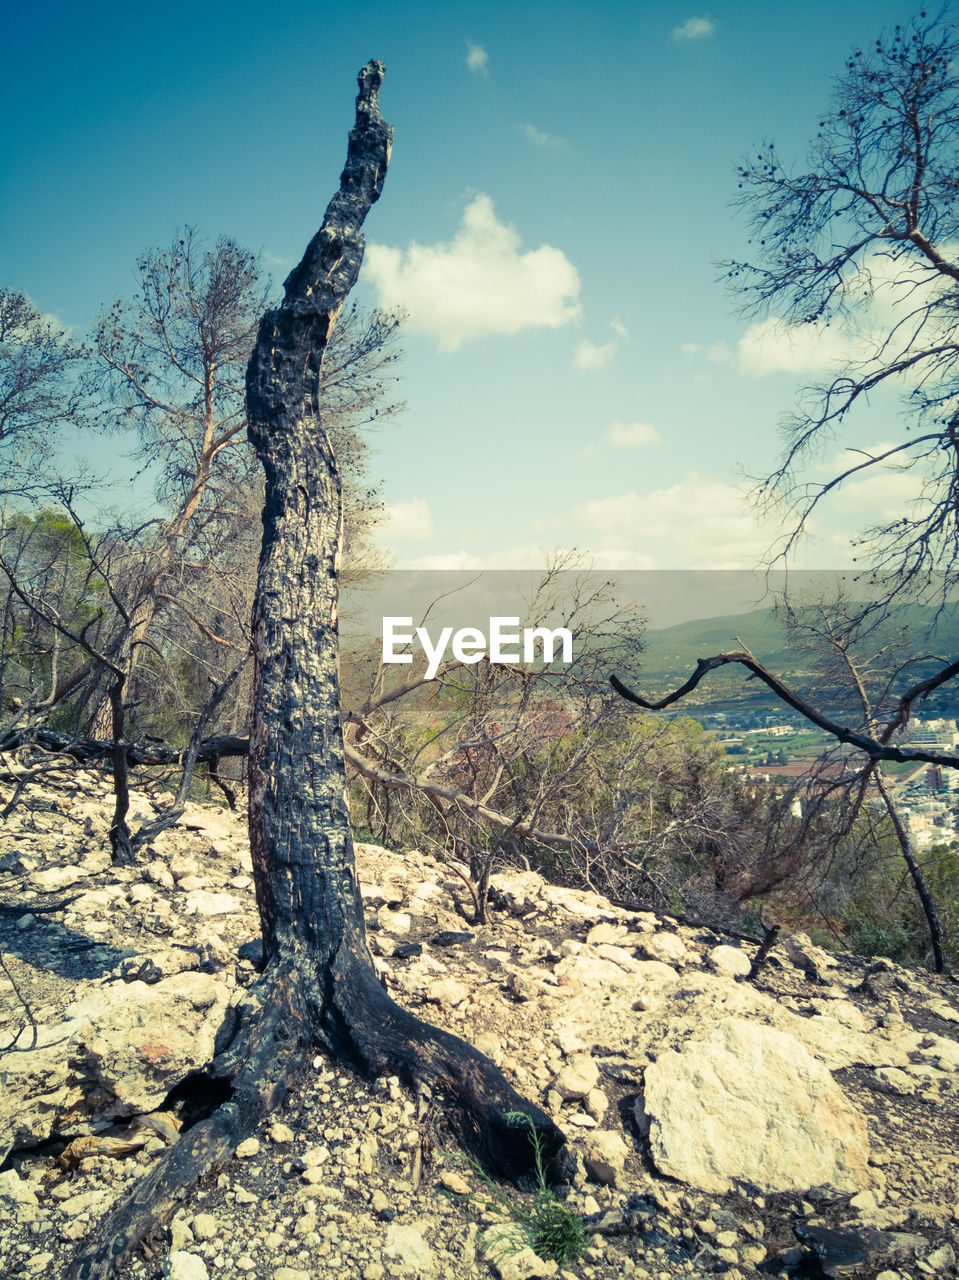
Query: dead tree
[(319, 986), (875, 746)]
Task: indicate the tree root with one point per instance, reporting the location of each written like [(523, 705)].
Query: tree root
[(267, 1046), (289, 1010), (383, 1037)]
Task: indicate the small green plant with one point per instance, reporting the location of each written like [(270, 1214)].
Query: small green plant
[(554, 1231)]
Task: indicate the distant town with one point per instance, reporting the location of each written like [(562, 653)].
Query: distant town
[(786, 749)]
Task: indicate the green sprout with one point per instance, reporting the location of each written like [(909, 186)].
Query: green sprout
[(553, 1230)]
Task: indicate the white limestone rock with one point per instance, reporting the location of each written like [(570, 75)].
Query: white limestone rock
[(729, 961), (668, 948), (606, 1155), (117, 1052), (181, 1265), (201, 902), (408, 1250), (748, 1102)]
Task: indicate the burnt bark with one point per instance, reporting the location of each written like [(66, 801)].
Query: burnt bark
[(319, 986)]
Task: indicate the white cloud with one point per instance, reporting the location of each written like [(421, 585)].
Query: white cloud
[(406, 522), (619, 328), (588, 356), (774, 347), (694, 29), (518, 557), (626, 435), (478, 284), (720, 353), (698, 523), (541, 139), (893, 296), (477, 59), (880, 492)]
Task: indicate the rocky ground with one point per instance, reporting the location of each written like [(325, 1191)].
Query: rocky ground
[(807, 1123)]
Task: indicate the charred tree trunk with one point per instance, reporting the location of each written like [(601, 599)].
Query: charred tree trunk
[(319, 985)]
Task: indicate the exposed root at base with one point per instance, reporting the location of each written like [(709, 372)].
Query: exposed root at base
[(344, 1010), (270, 1044)]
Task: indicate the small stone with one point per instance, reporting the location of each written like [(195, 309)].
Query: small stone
[(508, 1252), (864, 1202), (454, 1182), (397, 923), (579, 1076), (13, 1187), (489, 1042), (606, 1154), (75, 1205), (200, 902), (180, 1234), (379, 1201), (281, 1135), (605, 931), (407, 1248), (448, 992), (521, 988), (597, 1103), (204, 1226), (247, 1148), (942, 1258), (181, 1265), (665, 947), (730, 961)]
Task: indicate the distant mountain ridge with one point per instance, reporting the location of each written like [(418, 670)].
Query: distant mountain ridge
[(671, 654)]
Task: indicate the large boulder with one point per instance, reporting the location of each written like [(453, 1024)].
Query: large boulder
[(748, 1103), (117, 1052)]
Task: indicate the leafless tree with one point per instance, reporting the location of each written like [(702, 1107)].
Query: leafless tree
[(41, 391), (861, 240), (835, 796)]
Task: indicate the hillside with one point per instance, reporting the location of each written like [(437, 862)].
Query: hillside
[(716, 1125), (671, 654)]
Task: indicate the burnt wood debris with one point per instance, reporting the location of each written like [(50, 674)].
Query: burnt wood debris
[(318, 987)]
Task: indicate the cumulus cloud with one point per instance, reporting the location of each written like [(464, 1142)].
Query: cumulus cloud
[(477, 285), (619, 328), (626, 435), (539, 138), (517, 557), (694, 29), (406, 522), (477, 59), (698, 523), (893, 296), (773, 347), (587, 356), (880, 492)]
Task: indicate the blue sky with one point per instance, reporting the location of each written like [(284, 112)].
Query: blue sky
[(558, 198)]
